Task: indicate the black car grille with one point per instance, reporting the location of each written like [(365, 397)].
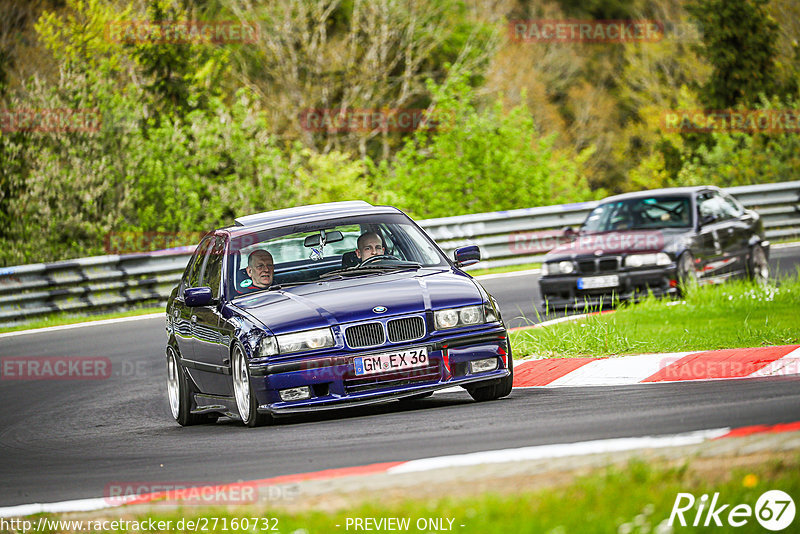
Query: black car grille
[(602, 265), (406, 329), (429, 373), (365, 335)]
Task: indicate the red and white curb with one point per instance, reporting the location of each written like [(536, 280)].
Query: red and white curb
[(657, 368), (540, 452)]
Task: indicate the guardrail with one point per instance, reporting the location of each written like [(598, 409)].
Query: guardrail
[(505, 238)]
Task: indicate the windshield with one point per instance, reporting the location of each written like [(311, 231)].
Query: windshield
[(638, 214), (329, 249)]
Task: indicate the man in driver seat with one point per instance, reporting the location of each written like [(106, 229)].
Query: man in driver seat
[(369, 244)]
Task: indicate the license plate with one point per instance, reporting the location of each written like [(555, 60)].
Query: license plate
[(595, 282), (390, 361)]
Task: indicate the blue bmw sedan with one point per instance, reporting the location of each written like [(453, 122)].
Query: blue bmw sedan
[(325, 306)]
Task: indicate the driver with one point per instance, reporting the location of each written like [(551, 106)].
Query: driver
[(260, 269), (369, 245)]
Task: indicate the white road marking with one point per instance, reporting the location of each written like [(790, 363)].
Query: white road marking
[(81, 325), (543, 452)]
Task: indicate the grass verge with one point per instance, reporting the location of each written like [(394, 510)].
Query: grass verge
[(636, 497), (60, 319), (505, 269), (732, 315)]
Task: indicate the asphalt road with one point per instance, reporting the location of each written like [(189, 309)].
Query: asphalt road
[(70, 439)]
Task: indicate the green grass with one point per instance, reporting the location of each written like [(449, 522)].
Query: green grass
[(736, 314), (72, 318), (505, 269), (636, 497)]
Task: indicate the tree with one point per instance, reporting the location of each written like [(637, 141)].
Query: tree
[(739, 40)]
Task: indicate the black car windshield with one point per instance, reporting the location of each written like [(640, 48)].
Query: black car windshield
[(639, 213), (328, 250)]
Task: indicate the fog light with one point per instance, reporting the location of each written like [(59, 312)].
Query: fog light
[(482, 366), (294, 394)]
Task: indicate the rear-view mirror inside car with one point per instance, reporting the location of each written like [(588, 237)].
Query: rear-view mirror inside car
[(330, 237)]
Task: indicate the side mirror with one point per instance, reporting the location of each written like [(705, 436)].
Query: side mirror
[(570, 232), (197, 296), (465, 256)]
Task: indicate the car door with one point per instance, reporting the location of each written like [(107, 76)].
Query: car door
[(210, 342), (714, 237), (739, 232), (181, 313)]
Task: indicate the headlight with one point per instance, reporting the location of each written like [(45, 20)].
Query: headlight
[(320, 338), (454, 317), (545, 269), (565, 267), (640, 260), (266, 347)]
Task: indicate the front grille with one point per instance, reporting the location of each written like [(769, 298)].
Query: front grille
[(587, 267), (608, 264), (365, 335), (429, 373), (602, 265), (406, 329)]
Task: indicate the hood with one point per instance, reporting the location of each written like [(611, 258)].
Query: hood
[(343, 301), (619, 243)]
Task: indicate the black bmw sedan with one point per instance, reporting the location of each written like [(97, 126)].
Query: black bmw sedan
[(654, 241)]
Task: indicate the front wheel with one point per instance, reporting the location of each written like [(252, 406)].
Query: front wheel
[(246, 401), (180, 395), (758, 269), (502, 388)]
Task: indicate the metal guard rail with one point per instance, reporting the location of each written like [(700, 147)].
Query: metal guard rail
[(512, 237)]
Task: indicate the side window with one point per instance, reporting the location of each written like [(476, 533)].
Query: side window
[(710, 204), (213, 269), (733, 208), (192, 278)]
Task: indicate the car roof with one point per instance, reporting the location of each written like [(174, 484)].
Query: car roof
[(669, 191), (302, 214)]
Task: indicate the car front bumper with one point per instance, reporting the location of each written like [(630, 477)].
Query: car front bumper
[(561, 291), (333, 383)]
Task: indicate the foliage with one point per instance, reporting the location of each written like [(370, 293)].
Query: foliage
[(191, 135), (477, 161), (739, 40)]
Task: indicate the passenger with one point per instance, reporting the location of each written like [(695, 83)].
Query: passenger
[(369, 245), (260, 269)]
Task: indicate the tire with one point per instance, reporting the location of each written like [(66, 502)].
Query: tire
[(501, 388), (246, 402), (179, 393), (758, 268), (687, 276)]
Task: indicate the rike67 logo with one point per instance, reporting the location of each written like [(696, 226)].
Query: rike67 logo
[(774, 510)]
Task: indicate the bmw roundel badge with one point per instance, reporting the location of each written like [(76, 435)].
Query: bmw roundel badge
[(379, 309)]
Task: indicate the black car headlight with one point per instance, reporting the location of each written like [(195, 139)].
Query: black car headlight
[(320, 338), (645, 260), (455, 317)]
